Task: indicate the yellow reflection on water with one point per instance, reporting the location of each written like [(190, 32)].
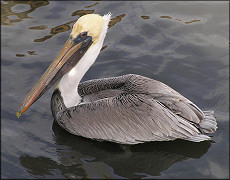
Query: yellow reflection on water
[(82, 12), (116, 20), (9, 17), (187, 22), (92, 5), (29, 52), (56, 30), (38, 27), (32, 52), (167, 17), (145, 17), (20, 55)]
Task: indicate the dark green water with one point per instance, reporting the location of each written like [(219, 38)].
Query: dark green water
[(183, 44)]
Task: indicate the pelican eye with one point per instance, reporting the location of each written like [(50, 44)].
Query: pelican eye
[(83, 34), (82, 37)]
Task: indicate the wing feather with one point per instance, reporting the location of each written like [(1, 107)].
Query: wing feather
[(139, 110), (127, 120)]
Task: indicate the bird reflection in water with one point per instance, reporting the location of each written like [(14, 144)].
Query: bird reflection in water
[(84, 158)]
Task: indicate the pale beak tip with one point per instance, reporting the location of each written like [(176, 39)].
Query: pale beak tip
[(18, 114)]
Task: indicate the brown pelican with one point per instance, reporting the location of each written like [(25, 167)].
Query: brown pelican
[(128, 109)]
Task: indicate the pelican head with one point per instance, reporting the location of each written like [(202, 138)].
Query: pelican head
[(92, 24), (87, 35)]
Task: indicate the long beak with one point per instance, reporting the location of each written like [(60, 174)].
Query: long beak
[(69, 56)]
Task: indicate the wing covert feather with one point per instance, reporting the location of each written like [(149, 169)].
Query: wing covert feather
[(137, 84)]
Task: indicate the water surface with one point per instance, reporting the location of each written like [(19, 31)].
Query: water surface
[(183, 44)]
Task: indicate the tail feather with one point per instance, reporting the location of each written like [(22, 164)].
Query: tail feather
[(199, 138), (208, 125)]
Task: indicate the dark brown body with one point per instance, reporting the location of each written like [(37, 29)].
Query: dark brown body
[(132, 109)]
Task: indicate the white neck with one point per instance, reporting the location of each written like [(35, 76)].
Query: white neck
[(70, 81)]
